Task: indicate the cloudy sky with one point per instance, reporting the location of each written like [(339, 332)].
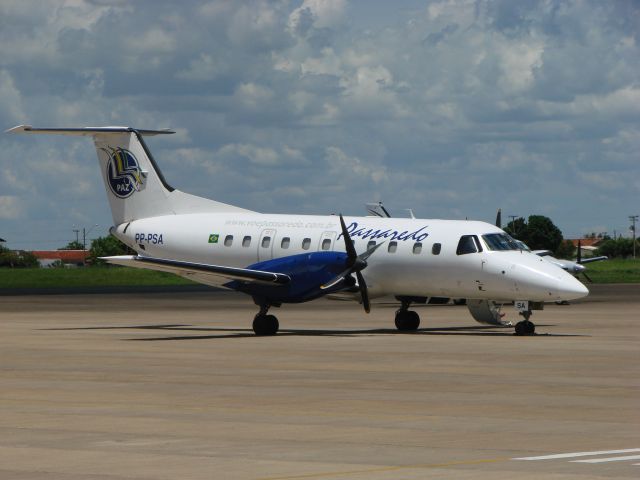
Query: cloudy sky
[(451, 108)]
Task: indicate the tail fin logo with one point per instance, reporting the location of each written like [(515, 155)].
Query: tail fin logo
[(123, 172)]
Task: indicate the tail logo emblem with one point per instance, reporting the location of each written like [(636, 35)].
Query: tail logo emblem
[(123, 172)]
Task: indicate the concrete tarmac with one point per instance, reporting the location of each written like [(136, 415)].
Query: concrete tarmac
[(176, 386)]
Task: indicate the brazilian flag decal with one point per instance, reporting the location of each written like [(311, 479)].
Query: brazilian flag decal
[(213, 238)]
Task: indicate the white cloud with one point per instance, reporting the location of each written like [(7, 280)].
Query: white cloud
[(345, 166), (10, 99), (252, 95), (317, 14), (323, 96), (10, 207), (518, 62), (205, 67)]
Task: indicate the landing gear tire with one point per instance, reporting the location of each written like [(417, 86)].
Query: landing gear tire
[(407, 320), (525, 327), (265, 325)]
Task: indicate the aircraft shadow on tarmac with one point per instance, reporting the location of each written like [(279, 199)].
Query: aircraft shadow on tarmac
[(220, 333)]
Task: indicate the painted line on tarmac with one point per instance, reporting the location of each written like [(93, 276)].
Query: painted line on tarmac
[(388, 469), (579, 454), (608, 459)]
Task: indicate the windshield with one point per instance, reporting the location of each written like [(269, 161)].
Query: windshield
[(500, 241)]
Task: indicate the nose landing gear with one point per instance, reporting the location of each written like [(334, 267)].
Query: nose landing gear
[(526, 326), (406, 320)]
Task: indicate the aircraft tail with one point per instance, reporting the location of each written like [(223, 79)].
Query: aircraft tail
[(135, 185)]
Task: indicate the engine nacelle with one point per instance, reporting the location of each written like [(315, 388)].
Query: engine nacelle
[(487, 312)]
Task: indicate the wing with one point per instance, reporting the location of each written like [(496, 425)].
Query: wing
[(592, 259), (214, 275)]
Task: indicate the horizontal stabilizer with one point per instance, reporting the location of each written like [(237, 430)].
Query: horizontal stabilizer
[(86, 130), (214, 275)]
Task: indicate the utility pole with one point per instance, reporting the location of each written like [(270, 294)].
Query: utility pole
[(86, 232), (77, 231), (634, 219), (513, 224)]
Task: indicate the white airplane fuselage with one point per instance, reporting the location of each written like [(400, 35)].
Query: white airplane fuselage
[(405, 265)]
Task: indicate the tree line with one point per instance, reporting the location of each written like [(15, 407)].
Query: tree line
[(100, 247), (540, 233)]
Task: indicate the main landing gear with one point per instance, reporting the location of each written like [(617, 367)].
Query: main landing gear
[(264, 324), (526, 326), (407, 320)]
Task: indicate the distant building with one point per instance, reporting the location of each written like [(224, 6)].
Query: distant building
[(70, 258), (588, 246)]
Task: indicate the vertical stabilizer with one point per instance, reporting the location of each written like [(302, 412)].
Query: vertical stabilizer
[(134, 184)]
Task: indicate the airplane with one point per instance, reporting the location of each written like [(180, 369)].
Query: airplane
[(575, 267), (280, 258)]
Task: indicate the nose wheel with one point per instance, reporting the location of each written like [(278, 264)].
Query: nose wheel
[(526, 326)]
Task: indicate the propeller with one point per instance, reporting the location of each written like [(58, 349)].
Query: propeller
[(579, 256), (499, 218), (355, 264)]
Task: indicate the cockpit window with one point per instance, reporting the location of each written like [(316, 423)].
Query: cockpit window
[(500, 241), (468, 244)]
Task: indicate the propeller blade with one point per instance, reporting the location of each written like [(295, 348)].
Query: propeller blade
[(369, 252), (363, 292), (355, 263), (499, 218), (587, 277), (348, 243), (337, 279), (579, 257)]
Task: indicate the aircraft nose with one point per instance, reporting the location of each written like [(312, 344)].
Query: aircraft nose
[(579, 268), (570, 288)]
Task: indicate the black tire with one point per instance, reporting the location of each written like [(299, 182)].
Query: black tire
[(265, 325), (525, 327), (407, 321)]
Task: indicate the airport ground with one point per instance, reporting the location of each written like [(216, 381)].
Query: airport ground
[(176, 386)]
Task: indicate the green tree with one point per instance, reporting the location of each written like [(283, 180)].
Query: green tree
[(105, 247), (619, 248), (543, 234), (73, 246), (539, 232), (17, 258), (517, 229), (566, 250)]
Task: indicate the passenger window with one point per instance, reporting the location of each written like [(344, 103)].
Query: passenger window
[(468, 244), (326, 244), (266, 241), (285, 242), (393, 246), (436, 248), (371, 244), (306, 243), (246, 241), (417, 248), (228, 240)]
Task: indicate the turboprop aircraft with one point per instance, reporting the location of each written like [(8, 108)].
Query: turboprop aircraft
[(575, 267), (278, 259)]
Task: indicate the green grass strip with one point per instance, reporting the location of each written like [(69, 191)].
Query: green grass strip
[(85, 277)]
